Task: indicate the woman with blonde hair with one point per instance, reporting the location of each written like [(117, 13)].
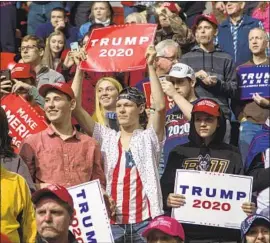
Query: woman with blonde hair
[(55, 45), (107, 90), (101, 13), (136, 18)]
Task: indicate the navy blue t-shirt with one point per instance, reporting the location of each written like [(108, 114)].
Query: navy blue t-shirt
[(177, 130)]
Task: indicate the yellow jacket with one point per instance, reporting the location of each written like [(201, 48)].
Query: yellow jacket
[(17, 212)]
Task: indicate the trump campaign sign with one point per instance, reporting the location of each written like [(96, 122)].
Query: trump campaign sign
[(118, 48), (212, 199), (254, 79), (23, 119), (169, 102), (90, 222)]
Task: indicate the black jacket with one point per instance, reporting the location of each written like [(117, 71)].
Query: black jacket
[(217, 157), (71, 238)]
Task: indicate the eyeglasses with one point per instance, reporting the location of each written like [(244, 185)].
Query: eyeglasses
[(171, 59), (23, 48)]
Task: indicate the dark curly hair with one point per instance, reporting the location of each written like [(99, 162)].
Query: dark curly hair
[(6, 149)]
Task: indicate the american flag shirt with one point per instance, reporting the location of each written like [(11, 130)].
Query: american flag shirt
[(127, 191), (138, 166)]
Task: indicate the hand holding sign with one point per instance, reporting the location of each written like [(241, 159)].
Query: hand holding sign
[(110, 204), (20, 85), (175, 200), (261, 101), (5, 86), (168, 88), (150, 55), (249, 208)]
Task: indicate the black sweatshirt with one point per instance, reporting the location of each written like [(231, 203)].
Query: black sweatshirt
[(223, 158)]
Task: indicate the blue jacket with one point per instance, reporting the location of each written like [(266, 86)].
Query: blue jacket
[(225, 39), (70, 32)]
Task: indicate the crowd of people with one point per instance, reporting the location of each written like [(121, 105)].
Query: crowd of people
[(101, 126)]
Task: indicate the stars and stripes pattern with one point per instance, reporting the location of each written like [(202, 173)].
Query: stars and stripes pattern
[(132, 205)]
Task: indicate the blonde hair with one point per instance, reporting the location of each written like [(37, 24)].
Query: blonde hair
[(48, 57), (109, 8), (99, 115), (140, 18)]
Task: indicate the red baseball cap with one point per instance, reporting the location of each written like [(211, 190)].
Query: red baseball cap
[(22, 70), (209, 17), (57, 190), (167, 225), (62, 87), (207, 106), (172, 7)]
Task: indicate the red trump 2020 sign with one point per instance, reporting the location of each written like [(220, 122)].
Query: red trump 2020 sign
[(118, 48)]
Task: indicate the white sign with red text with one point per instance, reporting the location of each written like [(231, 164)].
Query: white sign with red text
[(212, 199), (90, 222)]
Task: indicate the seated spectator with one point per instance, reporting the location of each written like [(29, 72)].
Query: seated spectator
[(179, 86), (101, 13), (53, 50), (32, 51), (60, 154), (23, 82), (39, 13), (135, 18), (213, 68), (132, 154), (257, 165), (207, 129), (17, 212), (164, 229), (256, 228), (253, 113), (10, 160), (233, 32), (54, 208), (58, 22), (172, 27), (107, 90), (248, 9)]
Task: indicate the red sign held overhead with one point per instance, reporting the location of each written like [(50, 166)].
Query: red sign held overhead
[(169, 102), (23, 119), (118, 48)]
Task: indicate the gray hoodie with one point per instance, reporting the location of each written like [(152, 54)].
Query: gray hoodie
[(216, 63)]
